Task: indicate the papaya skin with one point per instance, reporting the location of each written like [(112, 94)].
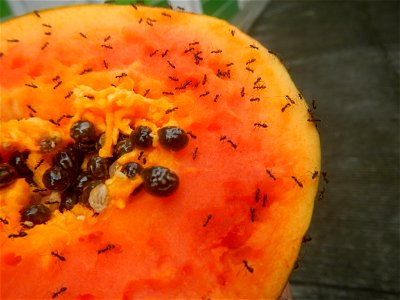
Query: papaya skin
[(234, 226)]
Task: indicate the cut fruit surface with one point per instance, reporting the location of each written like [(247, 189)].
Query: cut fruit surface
[(169, 155)]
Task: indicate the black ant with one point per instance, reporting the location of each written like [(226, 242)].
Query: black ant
[(270, 174), (285, 107), (183, 86), (105, 249), (297, 181), (61, 290), (34, 86), (207, 220), (16, 235), (258, 191), (262, 125), (57, 85), (242, 94), (153, 53), (194, 154), (204, 79), (44, 46), (234, 146), (68, 95), (252, 214), (32, 109), (306, 239), (171, 64), (205, 94), (193, 136), (165, 53), (321, 194), (170, 110), (39, 164), (264, 200), (60, 257), (325, 177), (246, 264), (290, 99)]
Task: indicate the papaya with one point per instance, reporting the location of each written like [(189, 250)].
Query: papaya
[(148, 153)]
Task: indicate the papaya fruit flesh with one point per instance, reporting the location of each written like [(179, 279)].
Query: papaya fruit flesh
[(237, 191)]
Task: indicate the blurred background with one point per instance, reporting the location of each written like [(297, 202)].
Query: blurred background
[(344, 57)]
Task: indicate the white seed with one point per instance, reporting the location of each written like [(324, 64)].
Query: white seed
[(113, 168), (28, 224), (98, 198)]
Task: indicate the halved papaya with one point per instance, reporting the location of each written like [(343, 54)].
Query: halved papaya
[(148, 154)]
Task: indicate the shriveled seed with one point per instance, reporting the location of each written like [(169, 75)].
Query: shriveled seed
[(98, 198)]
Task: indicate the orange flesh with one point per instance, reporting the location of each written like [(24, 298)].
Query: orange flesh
[(161, 247)]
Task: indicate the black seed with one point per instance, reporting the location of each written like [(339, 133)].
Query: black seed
[(83, 131), (68, 200), (141, 137), (56, 178), (86, 147), (18, 161), (84, 198), (160, 181), (79, 182), (7, 174), (98, 167), (122, 147), (67, 160), (36, 213), (131, 169), (173, 138)]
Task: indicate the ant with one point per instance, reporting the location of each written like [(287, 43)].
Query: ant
[(60, 257), (61, 290), (246, 264), (207, 220)]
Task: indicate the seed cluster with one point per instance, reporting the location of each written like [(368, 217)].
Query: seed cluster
[(70, 181)]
